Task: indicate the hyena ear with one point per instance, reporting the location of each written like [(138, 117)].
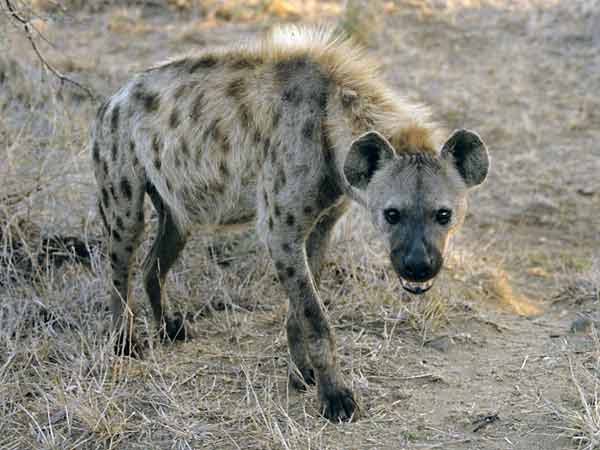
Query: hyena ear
[(367, 154), (469, 155)]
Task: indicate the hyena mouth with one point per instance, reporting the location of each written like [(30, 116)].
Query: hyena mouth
[(416, 287)]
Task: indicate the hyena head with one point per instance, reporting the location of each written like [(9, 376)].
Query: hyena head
[(417, 201)]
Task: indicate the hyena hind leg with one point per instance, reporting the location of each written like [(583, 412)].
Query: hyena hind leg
[(124, 226), (167, 246)]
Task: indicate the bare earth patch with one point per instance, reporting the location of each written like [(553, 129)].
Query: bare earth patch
[(501, 354)]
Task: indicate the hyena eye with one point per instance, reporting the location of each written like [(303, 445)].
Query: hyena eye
[(392, 216), (443, 216)]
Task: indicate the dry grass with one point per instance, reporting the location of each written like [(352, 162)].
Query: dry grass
[(62, 388)]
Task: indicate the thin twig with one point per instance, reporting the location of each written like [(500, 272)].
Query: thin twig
[(50, 67)]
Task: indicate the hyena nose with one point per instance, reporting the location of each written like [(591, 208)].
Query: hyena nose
[(418, 269)]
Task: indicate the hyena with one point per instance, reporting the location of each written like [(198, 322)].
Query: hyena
[(284, 133)]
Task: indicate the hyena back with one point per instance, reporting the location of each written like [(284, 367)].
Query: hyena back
[(285, 133)]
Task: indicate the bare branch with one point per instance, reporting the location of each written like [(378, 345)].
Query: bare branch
[(28, 30)]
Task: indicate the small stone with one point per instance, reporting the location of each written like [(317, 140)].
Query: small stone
[(582, 325), (441, 343)]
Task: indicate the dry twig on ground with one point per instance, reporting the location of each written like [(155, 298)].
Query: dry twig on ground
[(15, 16)]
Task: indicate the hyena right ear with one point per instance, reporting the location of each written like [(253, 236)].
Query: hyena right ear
[(469, 155), (367, 154)]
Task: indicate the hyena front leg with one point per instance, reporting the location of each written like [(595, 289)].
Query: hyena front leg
[(167, 246), (316, 247), (310, 336)]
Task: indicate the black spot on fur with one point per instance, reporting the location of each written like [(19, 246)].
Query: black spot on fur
[(103, 215), (279, 266), (180, 91), (219, 188), (322, 100), (184, 148), (302, 285), (102, 110), (197, 106), (256, 138), (113, 151), (126, 188), (290, 272), (293, 94), (290, 219), (116, 235), (114, 119), (206, 62), (277, 211), (284, 70), (156, 144), (114, 258), (308, 129), (286, 247), (270, 223), (96, 152), (245, 63), (213, 131), (236, 89), (308, 210), (119, 223), (309, 311), (266, 147), (329, 192), (131, 146), (276, 117), (149, 100), (225, 144), (174, 118), (223, 169), (281, 175), (140, 216), (245, 117), (105, 199), (129, 249)]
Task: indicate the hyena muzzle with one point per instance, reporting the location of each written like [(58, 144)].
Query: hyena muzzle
[(284, 133)]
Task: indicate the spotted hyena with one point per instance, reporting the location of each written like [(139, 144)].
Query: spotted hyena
[(284, 133)]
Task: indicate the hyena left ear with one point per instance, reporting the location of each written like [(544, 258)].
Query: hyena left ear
[(367, 154), (469, 155)]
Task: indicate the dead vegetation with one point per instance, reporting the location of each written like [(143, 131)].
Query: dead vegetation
[(499, 335)]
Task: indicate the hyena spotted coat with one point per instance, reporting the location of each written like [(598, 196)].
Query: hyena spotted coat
[(284, 132)]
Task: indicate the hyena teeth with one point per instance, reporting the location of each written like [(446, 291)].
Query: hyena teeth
[(415, 287)]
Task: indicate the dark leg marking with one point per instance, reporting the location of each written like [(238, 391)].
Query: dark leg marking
[(166, 248)]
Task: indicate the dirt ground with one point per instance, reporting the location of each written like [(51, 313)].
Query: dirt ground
[(502, 354)]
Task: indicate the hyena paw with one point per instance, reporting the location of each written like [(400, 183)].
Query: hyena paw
[(301, 378), (338, 404), (127, 344), (174, 329)]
